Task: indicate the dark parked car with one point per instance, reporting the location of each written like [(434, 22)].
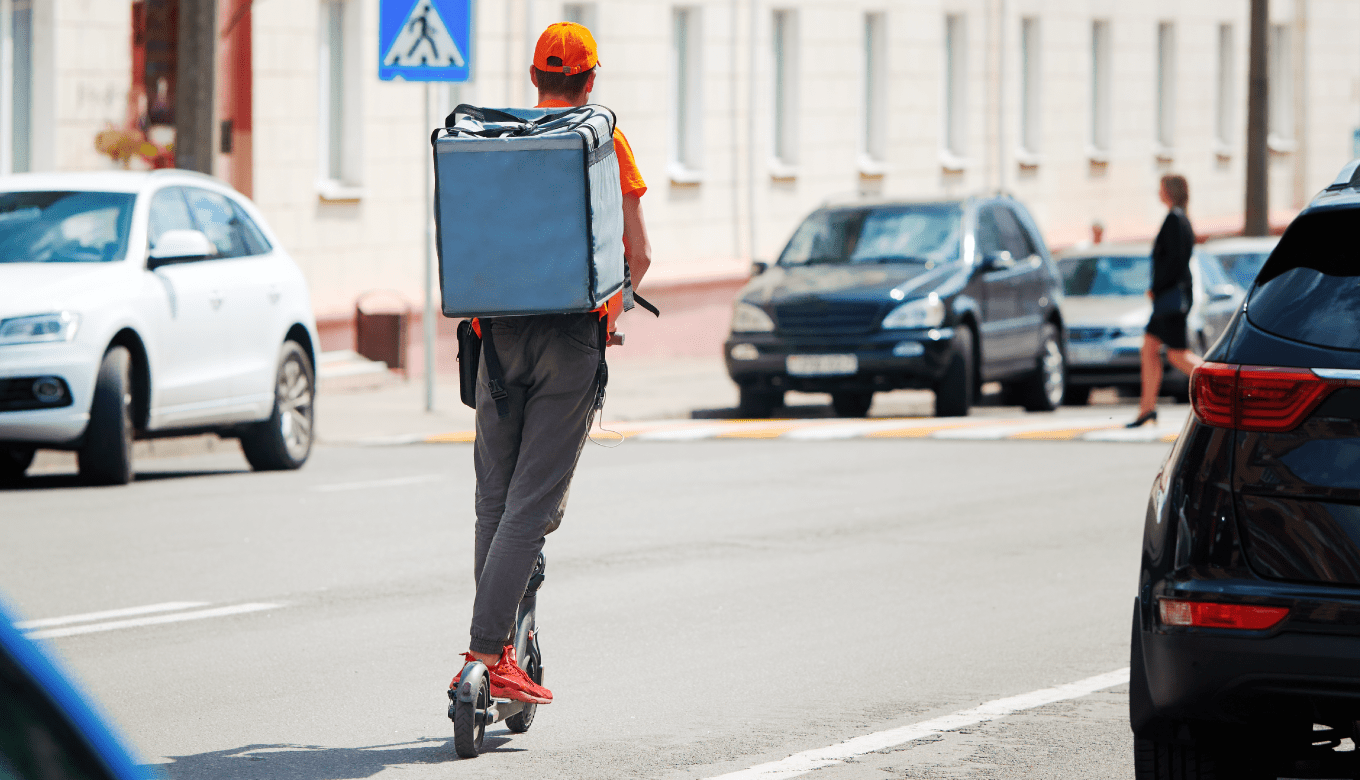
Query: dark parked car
[(47, 730), (939, 295), (1246, 625)]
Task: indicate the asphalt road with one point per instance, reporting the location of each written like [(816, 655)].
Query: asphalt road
[(710, 606)]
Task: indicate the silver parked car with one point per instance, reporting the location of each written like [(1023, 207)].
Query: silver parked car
[(1106, 308), (1228, 266)]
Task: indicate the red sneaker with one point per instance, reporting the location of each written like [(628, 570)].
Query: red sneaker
[(510, 682)]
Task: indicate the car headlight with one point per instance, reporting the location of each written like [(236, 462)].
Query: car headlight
[(927, 312), (749, 318), (57, 326)]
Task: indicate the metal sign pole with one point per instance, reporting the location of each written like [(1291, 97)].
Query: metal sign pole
[(428, 320)]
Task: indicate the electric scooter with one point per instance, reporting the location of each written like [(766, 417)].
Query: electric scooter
[(471, 707)]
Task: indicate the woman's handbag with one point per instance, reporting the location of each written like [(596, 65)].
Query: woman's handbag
[(1169, 302)]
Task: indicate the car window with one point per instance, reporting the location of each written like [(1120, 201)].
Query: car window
[(1112, 275), (169, 211), (925, 233), (256, 243), (217, 218), (1309, 289), (988, 232), (1242, 267), (1023, 240), (64, 227)]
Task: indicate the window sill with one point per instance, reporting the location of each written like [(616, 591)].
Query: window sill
[(870, 168), (1222, 150), (1027, 159), (1098, 156), (1164, 154), (684, 176), (952, 163), (331, 191), (1280, 145), (782, 171)]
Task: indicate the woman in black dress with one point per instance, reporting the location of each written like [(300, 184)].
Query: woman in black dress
[(1171, 297)]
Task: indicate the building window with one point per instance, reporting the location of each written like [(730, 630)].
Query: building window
[(955, 86), (1223, 98), (338, 89), (1030, 75), (1280, 96), (687, 129), (875, 92), (1166, 87), (785, 50), (1100, 89)]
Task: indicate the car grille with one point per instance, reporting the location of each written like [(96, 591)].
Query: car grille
[(826, 318), (1084, 335)]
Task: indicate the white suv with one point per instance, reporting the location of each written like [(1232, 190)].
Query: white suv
[(141, 305)]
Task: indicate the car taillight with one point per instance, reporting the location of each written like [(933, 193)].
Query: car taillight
[(1257, 398), (1208, 614)]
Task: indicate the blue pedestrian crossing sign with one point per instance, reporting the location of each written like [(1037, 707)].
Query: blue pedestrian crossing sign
[(425, 40)]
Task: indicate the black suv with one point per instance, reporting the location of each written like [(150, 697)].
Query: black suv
[(1246, 626), (940, 295)]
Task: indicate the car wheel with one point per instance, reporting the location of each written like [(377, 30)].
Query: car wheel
[(1076, 396), (14, 461), (755, 404), (954, 393), (106, 457), (1044, 390), (852, 404), (285, 440)]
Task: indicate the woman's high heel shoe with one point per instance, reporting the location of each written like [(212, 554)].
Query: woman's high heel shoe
[(1145, 417)]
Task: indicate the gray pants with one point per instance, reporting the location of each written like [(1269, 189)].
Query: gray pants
[(525, 461)]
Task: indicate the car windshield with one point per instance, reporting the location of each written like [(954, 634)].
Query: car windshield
[(64, 227), (1309, 289), (897, 234), (1242, 267), (1107, 275)]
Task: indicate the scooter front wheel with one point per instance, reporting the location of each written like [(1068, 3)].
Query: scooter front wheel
[(470, 707)]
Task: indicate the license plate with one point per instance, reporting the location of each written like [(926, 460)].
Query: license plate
[(822, 365), (1090, 354)]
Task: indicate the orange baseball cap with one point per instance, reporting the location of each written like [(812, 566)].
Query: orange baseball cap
[(571, 43)]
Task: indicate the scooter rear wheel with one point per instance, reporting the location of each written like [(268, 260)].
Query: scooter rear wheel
[(469, 720)]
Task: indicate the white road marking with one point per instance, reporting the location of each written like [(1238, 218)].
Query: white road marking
[(809, 760), (377, 483), (108, 614), (114, 625)]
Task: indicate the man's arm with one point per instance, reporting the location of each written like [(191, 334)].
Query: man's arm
[(637, 250)]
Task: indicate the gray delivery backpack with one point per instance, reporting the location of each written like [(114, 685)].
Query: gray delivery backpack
[(528, 220)]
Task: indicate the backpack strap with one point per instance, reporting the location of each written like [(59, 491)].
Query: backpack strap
[(495, 375)]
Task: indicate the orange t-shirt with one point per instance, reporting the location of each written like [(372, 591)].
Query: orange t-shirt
[(630, 180)]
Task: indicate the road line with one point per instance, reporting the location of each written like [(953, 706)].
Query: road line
[(377, 483), (202, 614), (810, 760), (108, 614)]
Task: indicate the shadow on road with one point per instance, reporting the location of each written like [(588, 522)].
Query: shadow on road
[(60, 481), (311, 762)]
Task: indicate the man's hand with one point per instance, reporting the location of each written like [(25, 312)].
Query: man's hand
[(615, 340)]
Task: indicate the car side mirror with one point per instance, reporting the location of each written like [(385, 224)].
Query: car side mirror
[(178, 246), (759, 267), (997, 261), (1222, 292)]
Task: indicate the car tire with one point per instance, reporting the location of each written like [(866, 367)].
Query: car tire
[(757, 404), (14, 461), (852, 404), (1043, 391), (106, 456), (954, 393), (1077, 396), (284, 441)]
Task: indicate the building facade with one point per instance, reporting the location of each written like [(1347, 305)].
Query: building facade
[(744, 114)]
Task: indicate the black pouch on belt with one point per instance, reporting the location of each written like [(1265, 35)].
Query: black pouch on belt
[(469, 355)]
